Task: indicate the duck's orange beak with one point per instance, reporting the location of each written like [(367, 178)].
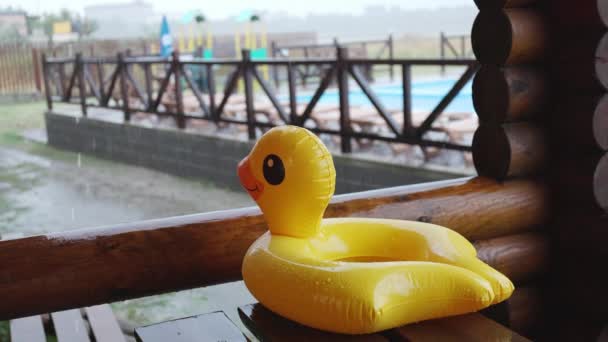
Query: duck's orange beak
[(248, 181)]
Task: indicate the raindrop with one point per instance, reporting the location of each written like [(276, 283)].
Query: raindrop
[(79, 162), (73, 214)]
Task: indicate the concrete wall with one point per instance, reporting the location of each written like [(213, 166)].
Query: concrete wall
[(207, 157)]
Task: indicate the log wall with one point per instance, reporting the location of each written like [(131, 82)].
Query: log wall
[(540, 97)]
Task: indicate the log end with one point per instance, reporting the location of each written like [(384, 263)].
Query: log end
[(603, 9), (491, 95), (491, 152), (600, 183), (600, 123), (601, 61), (491, 37)]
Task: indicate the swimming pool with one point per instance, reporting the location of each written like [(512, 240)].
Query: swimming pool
[(425, 96)]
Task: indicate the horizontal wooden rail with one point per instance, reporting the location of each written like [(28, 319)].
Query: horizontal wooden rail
[(509, 94), (519, 257), (509, 150), (86, 267), (510, 36), (333, 44)]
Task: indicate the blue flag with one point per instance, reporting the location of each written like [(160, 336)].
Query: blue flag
[(166, 41)]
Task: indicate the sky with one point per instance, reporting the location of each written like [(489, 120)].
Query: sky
[(215, 9)]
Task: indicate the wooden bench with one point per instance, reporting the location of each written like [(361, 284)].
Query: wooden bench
[(97, 324)]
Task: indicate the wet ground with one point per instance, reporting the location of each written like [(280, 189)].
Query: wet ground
[(53, 190), (44, 189)]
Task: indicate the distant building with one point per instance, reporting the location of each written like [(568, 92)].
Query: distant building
[(122, 20), (16, 20)]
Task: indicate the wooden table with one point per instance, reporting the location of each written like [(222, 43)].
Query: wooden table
[(254, 322)]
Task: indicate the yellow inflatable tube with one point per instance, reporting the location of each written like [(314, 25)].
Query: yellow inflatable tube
[(350, 275)]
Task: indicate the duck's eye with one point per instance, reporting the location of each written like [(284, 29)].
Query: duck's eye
[(274, 171)]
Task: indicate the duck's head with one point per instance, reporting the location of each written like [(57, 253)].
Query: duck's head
[(291, 176)]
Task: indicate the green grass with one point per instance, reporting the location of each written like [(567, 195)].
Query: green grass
[(4, 331), (15, 118)]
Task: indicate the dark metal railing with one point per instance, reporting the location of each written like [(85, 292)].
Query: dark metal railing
[(118, 89)]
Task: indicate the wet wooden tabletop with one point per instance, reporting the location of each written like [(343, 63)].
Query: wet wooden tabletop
[(258, 323)]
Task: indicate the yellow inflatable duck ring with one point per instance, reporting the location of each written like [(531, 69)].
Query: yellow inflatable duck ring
[(350, 275)]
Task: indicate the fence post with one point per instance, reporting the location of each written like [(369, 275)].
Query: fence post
[(408, 129), (124, 92), (391, 55), (275, 68), (64, 91), (211, 90), (181, 121), (148, 77), (36, 63), (291, 83), (248, 80), (442, 50), (463, 46), (82, 89), (343, 90), (47, 88)]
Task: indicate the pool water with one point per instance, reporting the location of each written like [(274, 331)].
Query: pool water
[(425, 96)]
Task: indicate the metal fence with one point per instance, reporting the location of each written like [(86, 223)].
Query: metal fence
[(122, 90)]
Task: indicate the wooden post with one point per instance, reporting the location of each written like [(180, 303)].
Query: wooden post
[(391, 56), (37, 73), (47, 88), (249, 104), (81, 85), (442, 50), (579, 184), (62, 80), (148, 77), (463, 47), (124, 91), (408, 128), (102, 84), (175, 66), (306, 69), (291, 83), (343, 90), (211, 90), (579, 124), (275, 68)]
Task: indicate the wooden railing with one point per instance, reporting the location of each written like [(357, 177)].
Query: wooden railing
[(65, 77), (359, 48), (454, 46), (85, 267)]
